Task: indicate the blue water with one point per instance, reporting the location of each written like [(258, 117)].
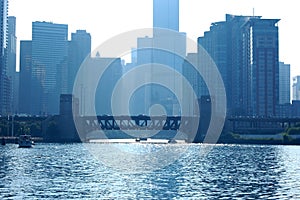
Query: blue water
[(70, 171)]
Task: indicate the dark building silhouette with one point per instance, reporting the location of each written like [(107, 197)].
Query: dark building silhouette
[(245, 50), (69, 105), (25, 77), (206, 105), (61, 128)]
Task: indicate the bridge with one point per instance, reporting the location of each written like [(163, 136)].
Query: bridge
[(140, 123), (63, 126), (265, 124)]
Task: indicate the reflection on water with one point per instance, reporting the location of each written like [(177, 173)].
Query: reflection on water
[(227, 172)]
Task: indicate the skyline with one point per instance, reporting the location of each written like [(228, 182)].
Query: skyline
[(195, 19)]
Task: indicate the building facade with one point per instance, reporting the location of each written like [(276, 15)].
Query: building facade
[(25, 77), (284, 83), (167, 47), (296, 88), (93, 96), (166, 14), (11, 64), (78, 50), (245, 50), (263, 66), (4, 81), (49, 59)]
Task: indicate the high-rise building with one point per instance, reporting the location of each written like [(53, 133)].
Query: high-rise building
[(167, 47), (166, 14), (101, 100), (11, 46), (11, 63), (79, 48), (284, 83), (262, 63), (49, 56), (4, 81), (296, 88), (245, 50), (25, 77)]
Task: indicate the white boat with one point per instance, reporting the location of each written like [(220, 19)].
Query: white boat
[(25, 141)]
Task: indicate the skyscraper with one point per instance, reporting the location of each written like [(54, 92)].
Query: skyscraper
[(11, 46), (166, 14), (49, 55), (245, 50), (4, 82), (11, 63), (79, 48), (262, 64), (284, 83), (167, 47), (296, 88), (25, 77)]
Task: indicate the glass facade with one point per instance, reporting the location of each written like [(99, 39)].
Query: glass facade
[(49, 56), (166, 14), (4, 81), (245, 50)]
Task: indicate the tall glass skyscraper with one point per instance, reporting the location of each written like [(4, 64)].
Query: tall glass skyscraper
[(4, 83), (166, 14), (245, 50), (49, 55), (11, 63)]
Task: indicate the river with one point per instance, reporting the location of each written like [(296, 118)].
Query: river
[(73, 171)]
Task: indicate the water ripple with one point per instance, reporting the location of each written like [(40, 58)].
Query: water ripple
[(50, 171)]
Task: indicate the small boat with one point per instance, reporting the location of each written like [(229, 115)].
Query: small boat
[(25, 141)]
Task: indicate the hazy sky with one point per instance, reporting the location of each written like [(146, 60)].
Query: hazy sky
[(107, 18)]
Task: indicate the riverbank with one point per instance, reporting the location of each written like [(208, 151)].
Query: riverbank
[(14, 140)]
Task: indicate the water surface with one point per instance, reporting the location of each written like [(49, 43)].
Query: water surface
[(68, 171)]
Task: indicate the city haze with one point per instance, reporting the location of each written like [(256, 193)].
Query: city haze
[(104, 19)]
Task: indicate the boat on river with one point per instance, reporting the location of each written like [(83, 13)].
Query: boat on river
[(25, 141)]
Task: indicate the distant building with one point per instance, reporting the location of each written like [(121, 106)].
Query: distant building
[(296, 88), (78, 50), (25, 77), (99, 100), (49, 59), (167, 47), (166, 14), (295, 111), (245, 50), (284, 83), (191, 74)]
